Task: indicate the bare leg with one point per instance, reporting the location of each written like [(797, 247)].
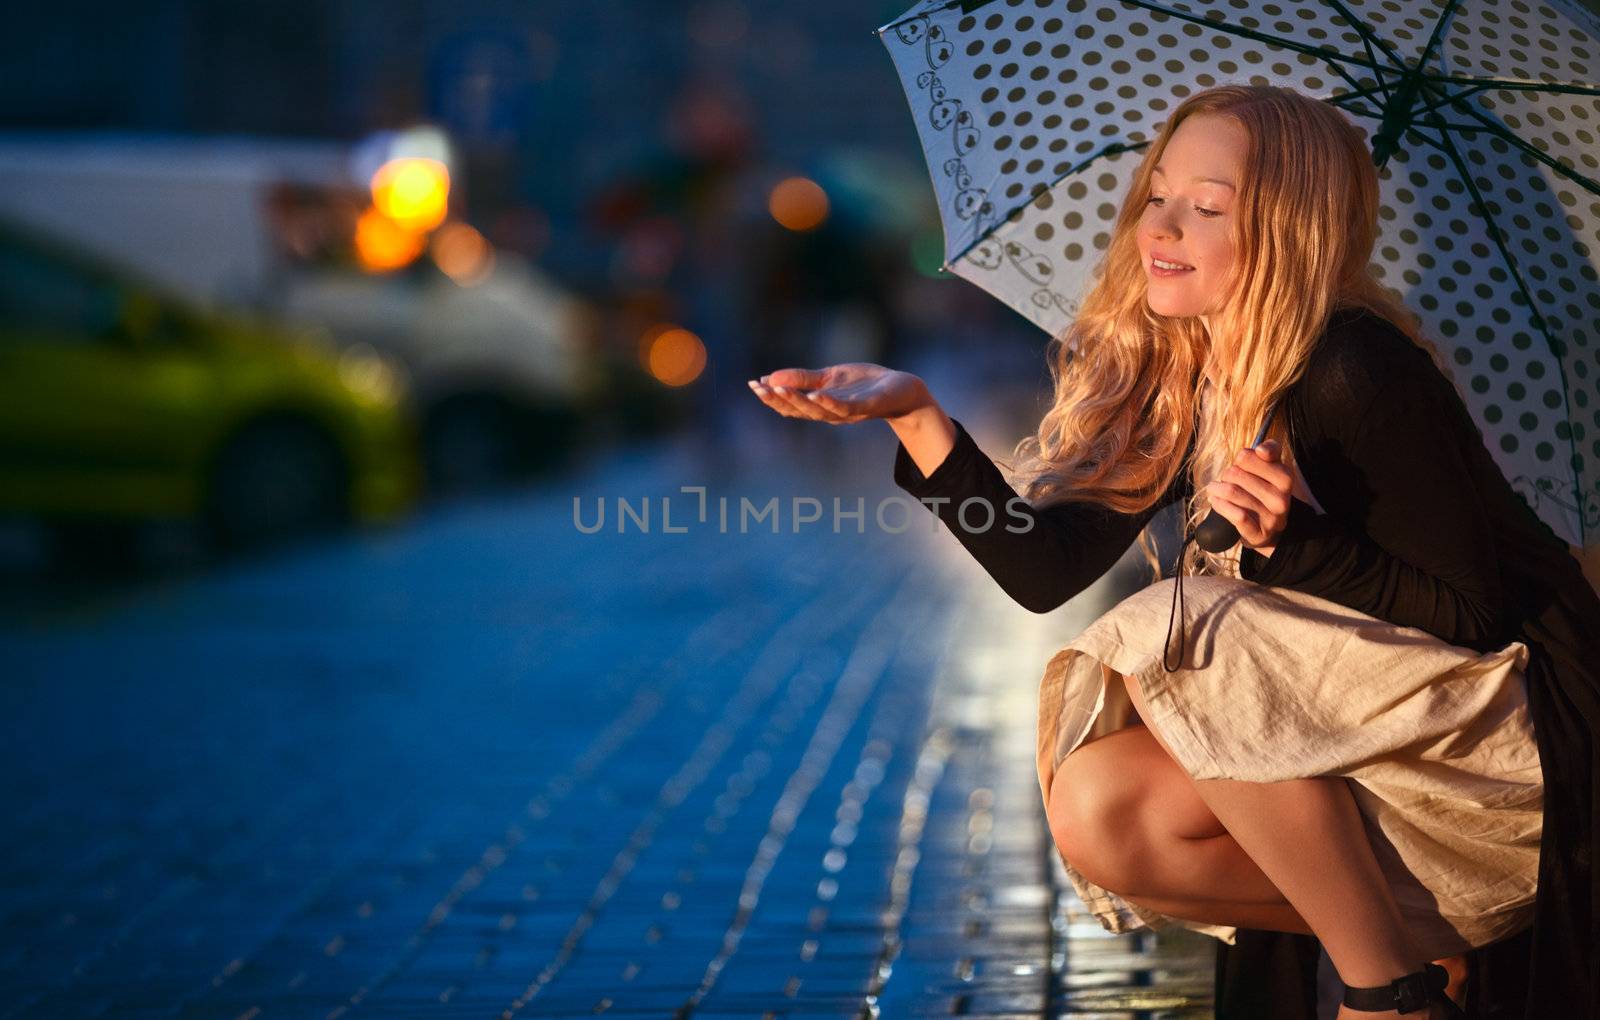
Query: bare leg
[(1189, 870), (1174, 850), (1306, 836)]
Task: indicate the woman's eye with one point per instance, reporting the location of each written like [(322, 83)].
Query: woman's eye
[(1202, 212)]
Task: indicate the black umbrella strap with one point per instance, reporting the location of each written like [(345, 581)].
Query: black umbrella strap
[(1177, 614)]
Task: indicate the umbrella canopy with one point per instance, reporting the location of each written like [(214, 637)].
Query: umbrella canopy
[(1483, 120)]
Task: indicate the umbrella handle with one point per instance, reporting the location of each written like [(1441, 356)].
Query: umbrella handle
[(1216, 533)]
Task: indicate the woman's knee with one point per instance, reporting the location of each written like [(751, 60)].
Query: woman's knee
[(1096, 812)]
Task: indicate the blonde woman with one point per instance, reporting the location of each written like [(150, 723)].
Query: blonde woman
[(1383, 731)]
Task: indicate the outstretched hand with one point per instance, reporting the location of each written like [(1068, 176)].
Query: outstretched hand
[(1253, 494), (841, 394)]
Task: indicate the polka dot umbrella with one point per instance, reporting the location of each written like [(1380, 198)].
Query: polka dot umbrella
[(1482, 116)]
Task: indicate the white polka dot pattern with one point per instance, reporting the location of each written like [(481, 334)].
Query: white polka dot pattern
[(1032, 113)]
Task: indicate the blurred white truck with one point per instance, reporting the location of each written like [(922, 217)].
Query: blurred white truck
[(499, 370)]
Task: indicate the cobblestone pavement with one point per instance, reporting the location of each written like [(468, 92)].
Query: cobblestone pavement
[(488, 766)]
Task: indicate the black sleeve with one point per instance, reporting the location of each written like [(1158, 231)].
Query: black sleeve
[(1041, 558), (1424, 556)]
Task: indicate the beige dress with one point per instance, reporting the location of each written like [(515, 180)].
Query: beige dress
[(1276, 684)]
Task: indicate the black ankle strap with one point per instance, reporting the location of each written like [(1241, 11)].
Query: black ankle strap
[(1409, 994)]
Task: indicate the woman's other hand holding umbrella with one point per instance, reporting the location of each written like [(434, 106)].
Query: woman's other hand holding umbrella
[(1253, 494)]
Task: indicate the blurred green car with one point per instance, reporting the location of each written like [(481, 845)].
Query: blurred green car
[(119, 403)]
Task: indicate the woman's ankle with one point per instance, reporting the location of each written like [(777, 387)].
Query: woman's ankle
[(1453, 987), (1459, 971), (1370, 970)]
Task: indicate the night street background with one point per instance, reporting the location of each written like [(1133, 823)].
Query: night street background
[(489, 763), (324, 324)]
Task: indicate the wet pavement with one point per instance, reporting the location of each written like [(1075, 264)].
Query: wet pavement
[(487, 765)]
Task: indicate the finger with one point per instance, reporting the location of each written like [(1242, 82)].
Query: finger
[(827, 401), (783, 401), (1264, 524), (833, 417), (1281, 476), (830, 413), (1254, 525), (1236, 494), (1251, 463), (1233, 496), (797, 402), (773, 401), (1264, 494), (1243, 520), (794, 378)]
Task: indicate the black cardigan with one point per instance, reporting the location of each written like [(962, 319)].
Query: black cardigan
[(1421, 529)]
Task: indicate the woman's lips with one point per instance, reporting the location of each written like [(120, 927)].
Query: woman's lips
[(1156, 270)]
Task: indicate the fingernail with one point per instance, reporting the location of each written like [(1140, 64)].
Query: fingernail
[(781, 389)]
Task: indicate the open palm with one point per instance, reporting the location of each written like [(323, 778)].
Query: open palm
[(841, 394)]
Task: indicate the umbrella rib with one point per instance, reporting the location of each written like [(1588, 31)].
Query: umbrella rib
[(1399, 62), (1248, 33), (1357, 90), (1447, 99), (1518, 143), (1469, 128), (1341, 103), (1495, 235), (1358, 93), (1382, 85), (1515, 84), (1436, 35)]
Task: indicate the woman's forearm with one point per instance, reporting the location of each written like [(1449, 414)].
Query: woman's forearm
[(1041, 558), (927, 434)]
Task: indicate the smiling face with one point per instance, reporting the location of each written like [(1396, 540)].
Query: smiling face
[(1187, 220)]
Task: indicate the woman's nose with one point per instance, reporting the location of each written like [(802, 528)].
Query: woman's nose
[(1165, 229)]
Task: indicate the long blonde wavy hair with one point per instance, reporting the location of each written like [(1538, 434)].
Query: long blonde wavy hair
[(1128, 382)]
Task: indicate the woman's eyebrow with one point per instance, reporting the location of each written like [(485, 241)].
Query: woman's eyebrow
[(1207, 180)]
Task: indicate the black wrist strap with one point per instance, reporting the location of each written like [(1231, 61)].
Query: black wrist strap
[(1409, 994)]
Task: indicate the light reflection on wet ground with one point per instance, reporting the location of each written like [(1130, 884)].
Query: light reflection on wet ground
[(489, 766)]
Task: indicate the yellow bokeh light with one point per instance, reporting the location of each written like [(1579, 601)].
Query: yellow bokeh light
[(384, 245), (412, 191), (673, 355), (798, 203), (463, 254)]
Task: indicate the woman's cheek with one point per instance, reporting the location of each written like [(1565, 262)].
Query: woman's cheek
[(1220, 263)]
